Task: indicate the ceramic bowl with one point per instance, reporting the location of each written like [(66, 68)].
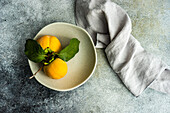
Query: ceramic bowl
[(80, 68)]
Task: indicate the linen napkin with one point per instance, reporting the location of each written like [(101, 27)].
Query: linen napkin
[(110, 27)]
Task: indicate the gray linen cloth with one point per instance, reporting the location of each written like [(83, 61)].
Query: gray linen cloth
[(110, 27)]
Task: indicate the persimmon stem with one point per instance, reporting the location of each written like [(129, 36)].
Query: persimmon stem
[(36, 72)]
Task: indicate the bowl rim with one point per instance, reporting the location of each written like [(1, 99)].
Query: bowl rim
[(94, 67)]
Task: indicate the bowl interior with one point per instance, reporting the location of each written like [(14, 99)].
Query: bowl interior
[(80, 68)]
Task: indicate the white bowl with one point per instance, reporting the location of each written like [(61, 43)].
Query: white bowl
[(80, 67)]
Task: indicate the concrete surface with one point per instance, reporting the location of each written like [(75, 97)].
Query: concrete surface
[(104, 92)]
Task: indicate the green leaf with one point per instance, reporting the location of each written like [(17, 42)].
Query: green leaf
[(34, 51), (70, 51), (47, 50)]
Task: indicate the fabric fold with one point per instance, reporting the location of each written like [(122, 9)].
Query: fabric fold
[(110, 27)]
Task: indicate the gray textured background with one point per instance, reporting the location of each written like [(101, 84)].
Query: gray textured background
[(104, 92)]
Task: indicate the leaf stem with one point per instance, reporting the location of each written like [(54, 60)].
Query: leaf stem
[(36, 72)]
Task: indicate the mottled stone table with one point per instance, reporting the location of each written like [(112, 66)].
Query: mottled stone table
[(104, 92)]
